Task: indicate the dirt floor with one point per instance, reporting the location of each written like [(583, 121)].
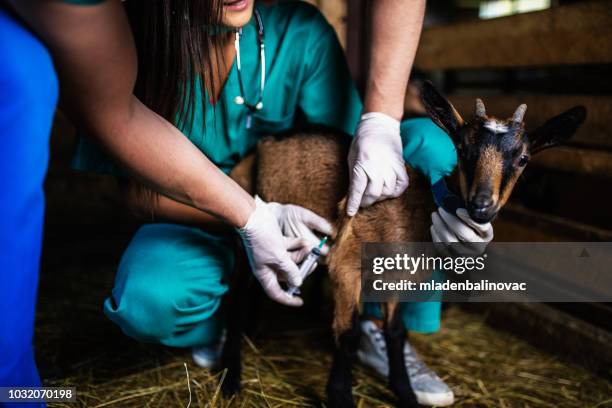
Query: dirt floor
[(286, 362)]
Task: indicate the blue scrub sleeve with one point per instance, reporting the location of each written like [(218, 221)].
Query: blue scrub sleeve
[(427, 148), (328, 95)]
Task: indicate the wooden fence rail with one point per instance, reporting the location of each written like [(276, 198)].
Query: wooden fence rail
[(574, 34)]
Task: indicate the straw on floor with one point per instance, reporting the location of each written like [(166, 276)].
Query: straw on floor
[(485, 368)]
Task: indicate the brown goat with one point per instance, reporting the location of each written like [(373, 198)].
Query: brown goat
[(310, 170)]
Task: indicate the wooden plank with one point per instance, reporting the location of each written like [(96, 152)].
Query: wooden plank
[(595, 132), (335, 13), (552, 330), (577, 197), (357, 40), (573, 34), (517, 223), (588, 152), (575, 160)]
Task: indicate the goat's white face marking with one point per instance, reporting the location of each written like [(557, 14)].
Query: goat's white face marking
[(495, 126)]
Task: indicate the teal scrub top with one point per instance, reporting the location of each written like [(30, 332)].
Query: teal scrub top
[(307, 79)]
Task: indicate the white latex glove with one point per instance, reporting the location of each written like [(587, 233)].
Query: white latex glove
[(470, 237), (377, 169), (267, 250), (300, 222)]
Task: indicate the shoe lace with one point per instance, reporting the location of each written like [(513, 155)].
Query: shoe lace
[(379, 338), (414, 364)]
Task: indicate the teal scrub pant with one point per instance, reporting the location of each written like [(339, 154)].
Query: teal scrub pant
[(171, 278)]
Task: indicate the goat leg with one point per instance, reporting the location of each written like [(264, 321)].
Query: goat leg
[(395, 337), (237, 309), (339, 393)]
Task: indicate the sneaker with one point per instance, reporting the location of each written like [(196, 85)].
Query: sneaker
[(208, 356), (427, 386)]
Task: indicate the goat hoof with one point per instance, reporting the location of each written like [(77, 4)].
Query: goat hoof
[(230, 385)]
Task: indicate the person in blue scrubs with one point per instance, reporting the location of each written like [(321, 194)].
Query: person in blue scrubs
[(28, 94)]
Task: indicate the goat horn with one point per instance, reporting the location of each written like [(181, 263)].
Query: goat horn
[(480, 108), (519, 113)]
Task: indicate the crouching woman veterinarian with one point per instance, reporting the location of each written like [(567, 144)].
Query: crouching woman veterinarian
[(275, 66)]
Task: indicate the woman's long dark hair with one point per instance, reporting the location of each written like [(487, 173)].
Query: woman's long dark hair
[(177, 46)]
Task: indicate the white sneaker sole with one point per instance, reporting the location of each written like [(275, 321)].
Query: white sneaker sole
[(203, 362), (438, 399)]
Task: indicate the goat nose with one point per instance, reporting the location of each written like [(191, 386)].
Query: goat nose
[(482, 201)]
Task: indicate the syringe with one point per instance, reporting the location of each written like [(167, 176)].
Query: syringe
[(307, 264)]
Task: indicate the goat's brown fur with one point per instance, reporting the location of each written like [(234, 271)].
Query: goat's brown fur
[(489, 167), (245, 173), (317, 180)]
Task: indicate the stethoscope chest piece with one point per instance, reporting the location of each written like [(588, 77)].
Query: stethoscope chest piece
[(240, 99)]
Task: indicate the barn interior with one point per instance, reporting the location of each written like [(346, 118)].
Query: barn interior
[(550, 54)]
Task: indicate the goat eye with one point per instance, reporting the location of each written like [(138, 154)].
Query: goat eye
[(523, 160)]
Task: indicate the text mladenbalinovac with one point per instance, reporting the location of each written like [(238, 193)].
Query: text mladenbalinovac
[(481, 285)]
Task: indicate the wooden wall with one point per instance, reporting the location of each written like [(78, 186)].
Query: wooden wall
[(335, 11)]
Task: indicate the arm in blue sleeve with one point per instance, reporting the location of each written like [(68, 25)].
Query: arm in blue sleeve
[(428, 149)]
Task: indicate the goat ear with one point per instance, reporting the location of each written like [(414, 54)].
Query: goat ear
[(440, 110), (557, 130)]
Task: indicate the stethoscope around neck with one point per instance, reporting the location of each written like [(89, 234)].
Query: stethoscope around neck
[(240, 99)]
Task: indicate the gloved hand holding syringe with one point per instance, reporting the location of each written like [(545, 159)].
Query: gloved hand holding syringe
[(308, 265), (299, 222)]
